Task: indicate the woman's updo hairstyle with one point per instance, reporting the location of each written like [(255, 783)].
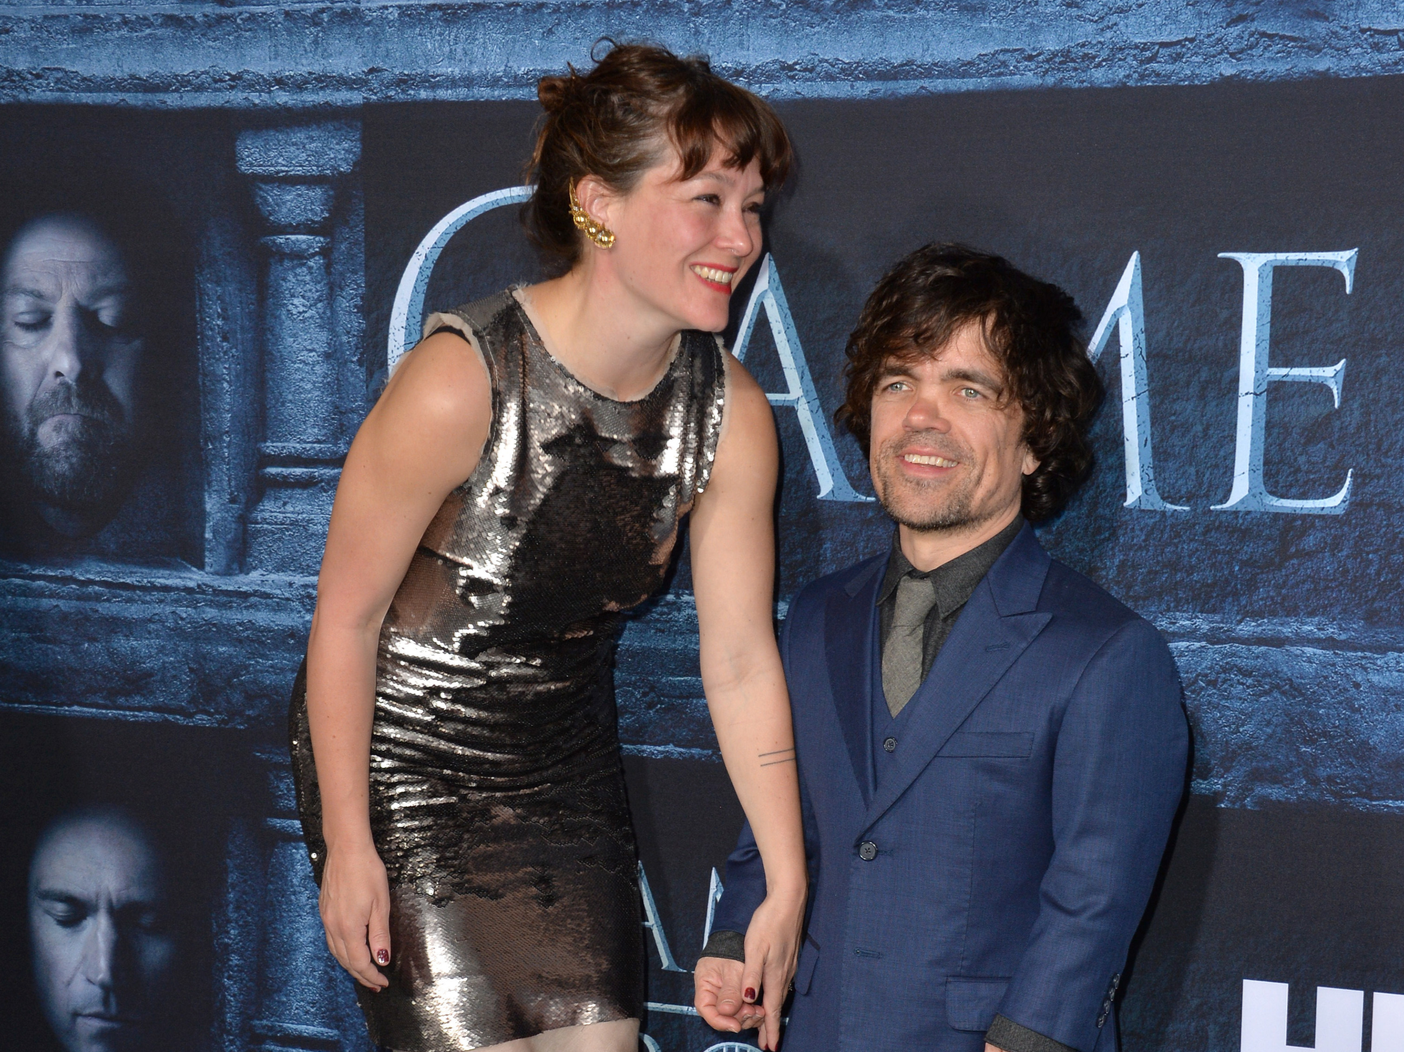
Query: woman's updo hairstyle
[(615, 121)]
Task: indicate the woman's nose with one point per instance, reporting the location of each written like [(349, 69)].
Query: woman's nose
[(737, 235)]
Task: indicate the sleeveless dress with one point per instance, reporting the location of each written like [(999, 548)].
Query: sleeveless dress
[(497, 789)]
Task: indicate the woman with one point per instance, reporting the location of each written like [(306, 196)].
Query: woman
[(522, 480)]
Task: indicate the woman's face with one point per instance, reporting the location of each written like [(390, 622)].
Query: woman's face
[(682, 245)]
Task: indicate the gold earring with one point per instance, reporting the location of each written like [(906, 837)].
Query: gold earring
[(596, 232)]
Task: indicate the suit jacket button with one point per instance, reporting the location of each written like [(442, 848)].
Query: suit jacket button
[(889, 744), (867, 851)]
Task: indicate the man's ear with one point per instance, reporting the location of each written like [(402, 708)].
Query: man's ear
[(1031, 462)]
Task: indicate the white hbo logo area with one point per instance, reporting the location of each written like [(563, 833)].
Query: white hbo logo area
[(1340, 1020)]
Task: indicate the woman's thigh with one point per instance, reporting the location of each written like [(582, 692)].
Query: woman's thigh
[(618, 1035)]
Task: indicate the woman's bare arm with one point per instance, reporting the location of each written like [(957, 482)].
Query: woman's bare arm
[(733, 570), (421, 440)]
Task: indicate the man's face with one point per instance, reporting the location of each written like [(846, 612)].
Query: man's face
[(69, 359), (103, 956), (947, 449)]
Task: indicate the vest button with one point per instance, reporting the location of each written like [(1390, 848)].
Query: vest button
[(889, 744), (867, 851)]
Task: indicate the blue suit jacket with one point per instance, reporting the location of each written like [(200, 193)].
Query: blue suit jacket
[(1017, 836)]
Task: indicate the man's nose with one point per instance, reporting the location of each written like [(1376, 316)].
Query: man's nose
[(70, 343), (926, 413), (100, 951)]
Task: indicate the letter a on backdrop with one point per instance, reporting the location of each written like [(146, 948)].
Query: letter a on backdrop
[(769, 295)]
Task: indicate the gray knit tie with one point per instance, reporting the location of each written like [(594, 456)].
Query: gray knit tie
[(902, 657)]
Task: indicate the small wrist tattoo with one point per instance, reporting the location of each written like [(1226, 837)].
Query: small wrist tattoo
[(770, 759)]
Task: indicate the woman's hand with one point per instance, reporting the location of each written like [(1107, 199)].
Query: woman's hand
[(355, 908), (772, 949), (733, 567)]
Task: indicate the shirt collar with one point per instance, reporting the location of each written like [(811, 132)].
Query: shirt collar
[(953, 582)]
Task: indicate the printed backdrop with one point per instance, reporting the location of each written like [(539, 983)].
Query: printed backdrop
[(1237, 250)]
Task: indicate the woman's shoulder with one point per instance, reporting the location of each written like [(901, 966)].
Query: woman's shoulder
[(445, 379), (473, 319)]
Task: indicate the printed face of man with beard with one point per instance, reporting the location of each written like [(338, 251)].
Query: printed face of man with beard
[(69, 364), (104, 956)]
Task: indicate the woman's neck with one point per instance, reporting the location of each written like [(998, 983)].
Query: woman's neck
[(601, 332)]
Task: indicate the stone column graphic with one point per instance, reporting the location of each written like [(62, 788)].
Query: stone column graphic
[(294, 1007), (295, 169)]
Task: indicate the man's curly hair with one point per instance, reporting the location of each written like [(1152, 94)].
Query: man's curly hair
[(1029, 328)]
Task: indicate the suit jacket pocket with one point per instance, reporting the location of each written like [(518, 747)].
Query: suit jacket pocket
[(804, 971), (971, 1004), (1018, 744)]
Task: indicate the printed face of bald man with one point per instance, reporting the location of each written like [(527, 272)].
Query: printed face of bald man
[(70, 356), (104, 955)]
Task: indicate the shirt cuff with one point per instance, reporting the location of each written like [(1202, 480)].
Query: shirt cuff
[(1010, 1036), (730, 945)]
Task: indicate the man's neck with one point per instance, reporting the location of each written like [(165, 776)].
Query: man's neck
[(928, 549)]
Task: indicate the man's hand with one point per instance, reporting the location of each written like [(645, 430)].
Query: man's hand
[(717, 997)]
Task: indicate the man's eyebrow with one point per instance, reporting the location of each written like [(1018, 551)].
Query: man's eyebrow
[(974, 376), (25, 290), (56, 895)]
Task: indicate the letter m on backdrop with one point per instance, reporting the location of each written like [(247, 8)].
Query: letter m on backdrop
[(1126, 313)]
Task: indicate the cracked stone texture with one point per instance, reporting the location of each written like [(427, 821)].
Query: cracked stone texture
[(178, 53)]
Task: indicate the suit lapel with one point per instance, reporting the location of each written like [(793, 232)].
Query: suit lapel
[(849, 623), (995, 628)]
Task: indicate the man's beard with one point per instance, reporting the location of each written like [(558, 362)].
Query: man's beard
[(950, 507), (87, 471)]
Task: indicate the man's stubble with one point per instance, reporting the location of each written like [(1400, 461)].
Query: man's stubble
[(88, 470)]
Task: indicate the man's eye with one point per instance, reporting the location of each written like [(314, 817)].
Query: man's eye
[(32, 321), (66, 915), (145, 920), (970, 393)]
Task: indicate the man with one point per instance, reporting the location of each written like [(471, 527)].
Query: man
[(105, 955), (71, 354), (991, 748)]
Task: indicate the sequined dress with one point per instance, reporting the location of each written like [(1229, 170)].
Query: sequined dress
[(497, 791)]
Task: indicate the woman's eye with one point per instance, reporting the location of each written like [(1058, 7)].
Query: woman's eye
[(711, 199)]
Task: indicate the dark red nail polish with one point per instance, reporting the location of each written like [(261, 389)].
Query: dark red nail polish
[(382, 957), (750, 993)]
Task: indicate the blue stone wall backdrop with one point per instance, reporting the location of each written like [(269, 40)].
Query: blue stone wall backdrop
[(306, 148)]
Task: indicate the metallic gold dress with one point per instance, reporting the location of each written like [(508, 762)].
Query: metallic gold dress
[(497, 792)]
